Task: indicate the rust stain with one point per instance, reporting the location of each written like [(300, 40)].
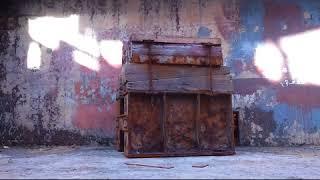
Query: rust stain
[(95, 117), (96, 98), (305, 96), (277, 13), (167, 53), (250, 86), (227, 19)]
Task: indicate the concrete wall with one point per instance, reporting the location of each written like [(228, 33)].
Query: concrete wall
[(66, 101)]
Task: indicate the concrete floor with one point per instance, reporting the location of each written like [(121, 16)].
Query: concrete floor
[(102, 162)]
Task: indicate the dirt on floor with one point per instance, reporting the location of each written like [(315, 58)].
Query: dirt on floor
[(104, 162)]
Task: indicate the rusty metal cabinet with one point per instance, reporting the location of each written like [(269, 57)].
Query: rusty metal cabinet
[(175, 100)]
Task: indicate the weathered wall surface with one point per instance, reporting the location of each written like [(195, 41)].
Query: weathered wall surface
[(67, 101)]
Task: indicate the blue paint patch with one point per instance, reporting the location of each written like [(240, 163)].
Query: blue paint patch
[(263, 101), (283, 25), (315, 114), (285, 115), (244, 43), (105, 90), (312, 8), (84, 80), (204, 32), (242, 48), (281, 114), (113, 97)]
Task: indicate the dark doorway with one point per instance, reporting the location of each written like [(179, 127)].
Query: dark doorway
[(235, 123), (121, 145)]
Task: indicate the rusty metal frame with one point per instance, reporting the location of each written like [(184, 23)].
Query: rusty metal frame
[(124, 121)]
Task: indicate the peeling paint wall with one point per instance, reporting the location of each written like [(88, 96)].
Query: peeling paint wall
[(64, 102), (279, 112)]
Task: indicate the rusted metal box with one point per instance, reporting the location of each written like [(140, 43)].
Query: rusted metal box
[(171, 107)]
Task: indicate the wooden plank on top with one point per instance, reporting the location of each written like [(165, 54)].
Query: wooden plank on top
[(177, 60), (176, 50), (139, 72), (175, 39), (221, 84)]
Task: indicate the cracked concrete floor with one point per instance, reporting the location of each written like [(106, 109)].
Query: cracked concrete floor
[(104, 162)]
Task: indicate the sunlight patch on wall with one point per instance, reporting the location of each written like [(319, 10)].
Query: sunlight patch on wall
[(34, 56), (50, 31), (269, 61), (86, 60), (303, 53), (111, 51), (86, 43)]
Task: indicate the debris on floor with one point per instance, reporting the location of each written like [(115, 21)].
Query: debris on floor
[(153, 166), (97, 162), (200, 165)]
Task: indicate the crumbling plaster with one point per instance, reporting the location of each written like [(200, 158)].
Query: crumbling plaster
[(66, 103)]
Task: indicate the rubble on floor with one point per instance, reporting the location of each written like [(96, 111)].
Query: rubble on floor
[(105, 162)]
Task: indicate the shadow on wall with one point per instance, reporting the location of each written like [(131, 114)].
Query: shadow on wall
[(274, 60), (289, 56), (293, 62), (50, 31), (294, 59), (100, 63), (289, 51)]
